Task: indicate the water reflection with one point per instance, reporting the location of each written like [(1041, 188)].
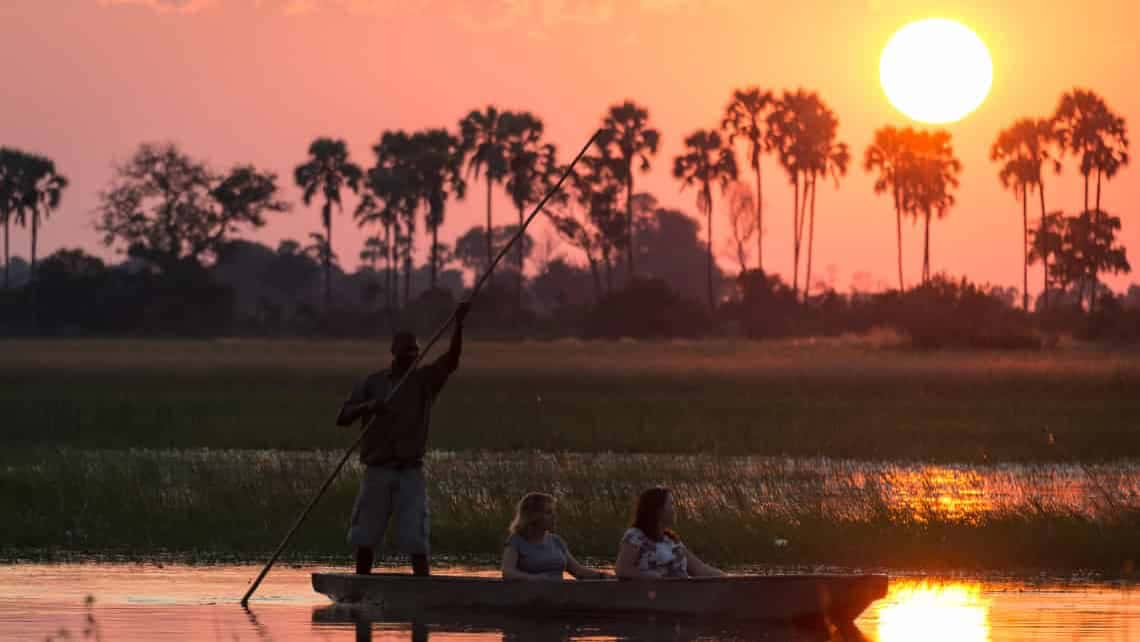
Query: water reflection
[(422, 627), (922, 611)]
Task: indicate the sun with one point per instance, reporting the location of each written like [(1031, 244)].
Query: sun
[(936, 70)]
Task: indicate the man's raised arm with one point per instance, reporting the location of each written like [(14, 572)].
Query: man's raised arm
[(450, 359)]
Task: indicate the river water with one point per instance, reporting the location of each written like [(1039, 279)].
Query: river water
[(132, 602)]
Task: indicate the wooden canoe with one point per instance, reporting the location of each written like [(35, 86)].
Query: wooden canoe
[(835, 598)]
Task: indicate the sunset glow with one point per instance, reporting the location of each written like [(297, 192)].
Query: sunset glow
[(936, 71), (925, 611)]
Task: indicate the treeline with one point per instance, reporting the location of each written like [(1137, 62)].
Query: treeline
[(178, 222)]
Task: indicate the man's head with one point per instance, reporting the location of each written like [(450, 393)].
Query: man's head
[(405, 349)]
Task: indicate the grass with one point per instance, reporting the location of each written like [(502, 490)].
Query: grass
[(207, 505), (838, 398)]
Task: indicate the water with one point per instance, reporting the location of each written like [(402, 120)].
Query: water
[(127, 602)]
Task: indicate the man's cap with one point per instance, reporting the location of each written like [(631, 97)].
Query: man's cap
[(404, 341)]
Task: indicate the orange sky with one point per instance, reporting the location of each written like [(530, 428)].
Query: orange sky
[(256, 80)]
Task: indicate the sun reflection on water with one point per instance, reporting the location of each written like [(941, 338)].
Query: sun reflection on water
[(935, 612)]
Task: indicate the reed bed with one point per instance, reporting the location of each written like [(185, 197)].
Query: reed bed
[(206, 504)]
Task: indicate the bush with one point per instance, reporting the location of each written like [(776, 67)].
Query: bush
[(646, 309), (948, 314)]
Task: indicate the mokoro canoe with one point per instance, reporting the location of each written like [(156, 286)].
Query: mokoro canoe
[(835, 598)]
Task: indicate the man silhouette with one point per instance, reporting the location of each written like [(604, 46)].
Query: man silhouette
[(393, 448)]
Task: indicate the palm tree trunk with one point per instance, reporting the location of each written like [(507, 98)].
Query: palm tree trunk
[(7, 256), (390, 259), (519, 254), (328, 255), (796, 236), (597, 278), (1044, 253), (490, 231), (811, 240), (1086, 192), (434, 252), (708, 216), (898, 237), (759, 210), (630, 241), (407, 279), (926, 249), (1025, 247), (609, 270), (35, 235), (1098, 174)]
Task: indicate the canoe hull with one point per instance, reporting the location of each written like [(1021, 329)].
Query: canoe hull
[(836, 598)]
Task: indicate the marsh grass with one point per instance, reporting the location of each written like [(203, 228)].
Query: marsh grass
[(213, 504), (841, 398)]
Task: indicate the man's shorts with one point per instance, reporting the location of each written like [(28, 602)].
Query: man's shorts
[(384, 491)]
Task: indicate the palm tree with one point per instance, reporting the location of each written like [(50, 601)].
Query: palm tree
[(42, 192), (327, 171), (10, 167), (707, 160), (888, 155), (628, 137), (396, 179), (1023, 149), (1088, 129), (930, 181), (827, 157), (531, 167), (744, 118), (788, 136), (372, 210), (485, 137), (438, 166)]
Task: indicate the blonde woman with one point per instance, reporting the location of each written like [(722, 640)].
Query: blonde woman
[(533, 551)]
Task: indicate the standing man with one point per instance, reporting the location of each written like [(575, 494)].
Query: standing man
[(393, 449)]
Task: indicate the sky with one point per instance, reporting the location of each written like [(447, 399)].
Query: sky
[(255, 81)]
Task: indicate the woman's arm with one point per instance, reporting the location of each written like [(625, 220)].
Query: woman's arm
[(583, 572), (697, 568), (510, 567), (626, 565)]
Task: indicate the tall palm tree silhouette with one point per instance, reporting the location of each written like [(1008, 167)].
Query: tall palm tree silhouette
[(438, 166), (327, 171), (397, 181), (744, 117), (931, 178), (707, 160), (531, 165), (41, 193), (888, 154), (374, 210), (1022, 150), (826, 157), (790, 136), (1089, 130), (485, 137), (10, 169), (628, 138), (1047, 239)]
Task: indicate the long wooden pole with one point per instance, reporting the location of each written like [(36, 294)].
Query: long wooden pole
[(392, 393)]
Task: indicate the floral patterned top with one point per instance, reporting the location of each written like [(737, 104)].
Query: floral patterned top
[(666, 558)]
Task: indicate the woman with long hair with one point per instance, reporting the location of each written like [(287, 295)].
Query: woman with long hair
[(651, 549), (533, 551)]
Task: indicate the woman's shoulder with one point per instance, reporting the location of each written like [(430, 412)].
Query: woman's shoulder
[(515, 541), (634, 535)]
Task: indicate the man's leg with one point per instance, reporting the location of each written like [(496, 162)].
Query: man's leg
[(412, 519), (370, 515)]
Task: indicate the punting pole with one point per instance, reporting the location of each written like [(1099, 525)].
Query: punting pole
[(392, 393)]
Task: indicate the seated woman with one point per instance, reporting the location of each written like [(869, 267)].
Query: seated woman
[(650, 548), (533, 552)]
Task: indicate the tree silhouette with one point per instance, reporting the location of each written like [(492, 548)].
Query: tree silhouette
[(1046, 241), (531, 165), (39, 192), (930, 180), (745, 117), (11, 167), (395, 180), (742, 220), (485, 137), (373, 251), (591, 218), (1088, 249), (787, 135), (437, 163), (826, 157), (628, 138), (373, 211), (1022, 150), (707, 160), (889, 155), (327, 171), (1089, 130), (167, 207)]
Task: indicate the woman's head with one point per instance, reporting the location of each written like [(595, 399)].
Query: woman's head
[(535, 514), (654, 514)]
